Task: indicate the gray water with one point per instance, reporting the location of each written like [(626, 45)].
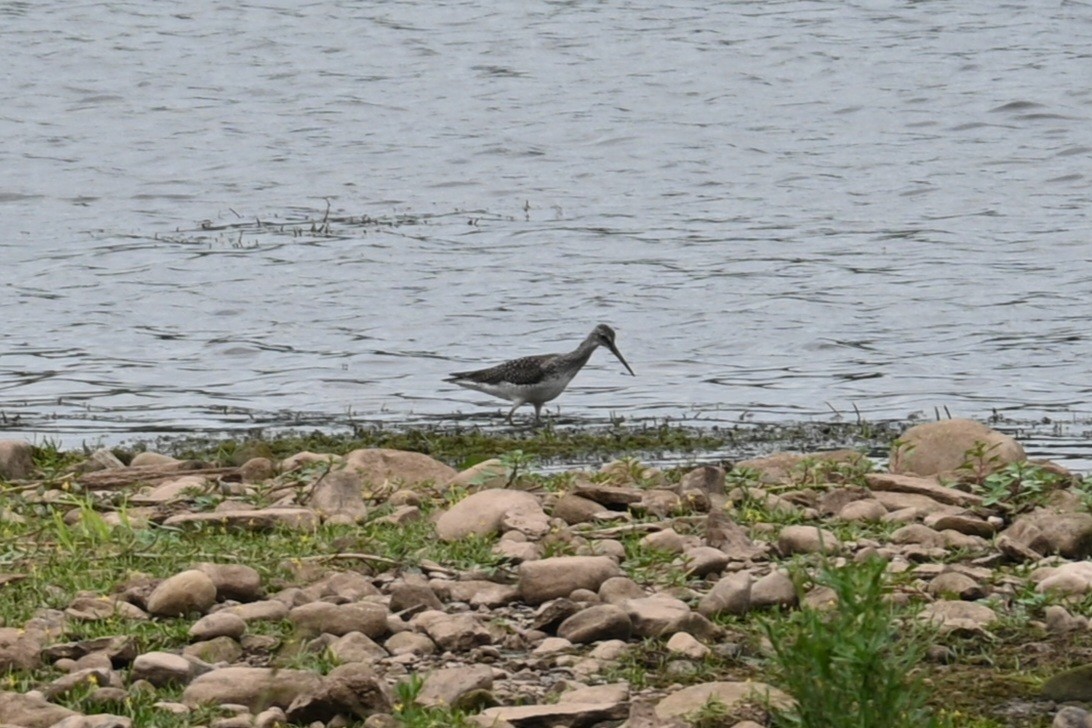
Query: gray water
[(216, 216)]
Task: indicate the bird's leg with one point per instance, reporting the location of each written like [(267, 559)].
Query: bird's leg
[(538, 410), (512, 412)]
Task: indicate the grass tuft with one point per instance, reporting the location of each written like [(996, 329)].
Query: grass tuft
[(852, 666)]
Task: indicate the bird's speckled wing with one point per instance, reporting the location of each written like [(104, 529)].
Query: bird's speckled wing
[(526, 370)]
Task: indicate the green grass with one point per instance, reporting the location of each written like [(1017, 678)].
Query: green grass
[(56, 559), (410, 714), (853, 666)]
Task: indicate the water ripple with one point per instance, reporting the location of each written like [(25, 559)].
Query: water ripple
[(280, 214)]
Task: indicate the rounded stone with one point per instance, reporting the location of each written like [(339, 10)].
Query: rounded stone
[(188, 591), (601, 622)]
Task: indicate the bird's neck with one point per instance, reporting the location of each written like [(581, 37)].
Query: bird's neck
[(579, 356)]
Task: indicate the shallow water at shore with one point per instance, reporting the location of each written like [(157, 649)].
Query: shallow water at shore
[(791, 212)]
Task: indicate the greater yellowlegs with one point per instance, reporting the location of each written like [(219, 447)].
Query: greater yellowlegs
[(538, 379)]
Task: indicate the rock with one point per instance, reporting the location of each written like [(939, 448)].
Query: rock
[(16, 460), (730, 595), (957, 616), (146, 458), (20, 649), (773, 590), (575, 509), (267, 610), (698, 501), (234, 581), (557, 714), (682, 643), (183, 488), (348, 690), (552, 646), (97, 660), (965, 524), (255, 687), (409, 643), (549, 616), (96, 720), (617, 589), (257, 470), (103, 459), (721, 532), (658, 502), (957, 540), (1060, 621), (807, 540), (317, 618), (594, 624), (413, 597), (31, 711), (88, 608), (915, 533), (1012, 549), (666, 540), (925, 486), (489, 594), (643, 715), (1072, 717), (614, 497), (271, 718), (487, 475), (455, 632), (409, 469), (518, 551), (218, 649), (446, 687), (483, 513), (84, 679), (707, 478), (1047, 532), (1071, 579), (401, 516), (905, 507), (774, 469), (162, 668), (531, 522), (303, 459), (340, 493), (832, 501), (546, 579), (953, 584), (347, 586), (704, 560), (1074, 684), (947, 447), (356, 647), (178, 595), (661, 616), (731, 695), (222, 623), (257, 520), (868, 510), (120, 650)]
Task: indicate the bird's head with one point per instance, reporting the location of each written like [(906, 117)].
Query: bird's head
[(603, 335)]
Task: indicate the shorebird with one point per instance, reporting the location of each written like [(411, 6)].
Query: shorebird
[(537, 379)]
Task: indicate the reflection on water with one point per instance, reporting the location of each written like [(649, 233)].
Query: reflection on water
[(789, 210)]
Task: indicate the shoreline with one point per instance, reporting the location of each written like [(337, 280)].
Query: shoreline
[(287, 575), (660, 442)]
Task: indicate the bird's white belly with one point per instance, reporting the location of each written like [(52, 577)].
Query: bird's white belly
[(539, 392)]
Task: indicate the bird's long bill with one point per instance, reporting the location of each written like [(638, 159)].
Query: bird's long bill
[(614, 350)]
